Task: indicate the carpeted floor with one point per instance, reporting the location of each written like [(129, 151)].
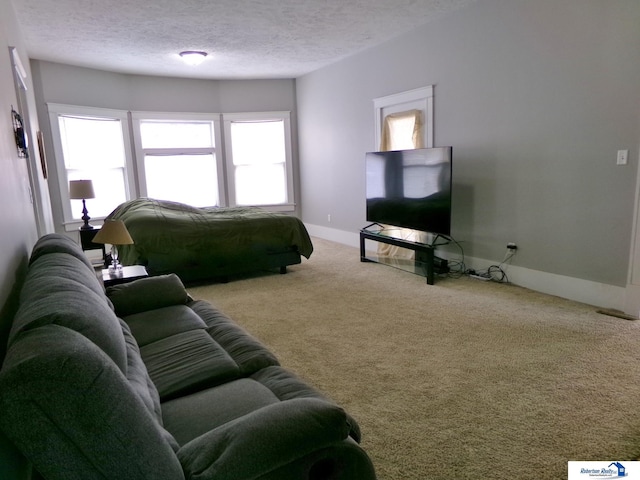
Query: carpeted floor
[(463, 379)]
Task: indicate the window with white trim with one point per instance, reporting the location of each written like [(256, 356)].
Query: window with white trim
[(259, 161), (177, 157), (92, 144), (400, 106)]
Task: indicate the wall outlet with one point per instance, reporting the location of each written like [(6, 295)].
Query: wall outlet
[(329, 218), (623, 157), (512, 246)]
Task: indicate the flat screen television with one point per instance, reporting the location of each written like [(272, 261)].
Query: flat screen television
[(410, 188)]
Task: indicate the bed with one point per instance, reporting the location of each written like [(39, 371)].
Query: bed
[(210, 243)]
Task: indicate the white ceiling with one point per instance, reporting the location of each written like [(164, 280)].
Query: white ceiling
[(244, 38)]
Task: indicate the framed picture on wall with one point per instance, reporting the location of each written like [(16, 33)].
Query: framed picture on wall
[(43, 157)]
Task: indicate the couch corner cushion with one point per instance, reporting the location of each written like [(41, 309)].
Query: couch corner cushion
[(147, 294), (271, 437), (71, 412)]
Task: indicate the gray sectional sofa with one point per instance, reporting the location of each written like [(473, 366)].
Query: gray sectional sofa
[(143, 382)]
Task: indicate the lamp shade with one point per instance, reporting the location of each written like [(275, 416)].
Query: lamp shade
[(81, 189), (113, 232)]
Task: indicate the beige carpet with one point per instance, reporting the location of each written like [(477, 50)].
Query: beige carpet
[(463, 379)]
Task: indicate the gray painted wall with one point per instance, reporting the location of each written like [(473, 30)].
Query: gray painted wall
[(18, 230), (57, 83), (535, 98), (17, 218)]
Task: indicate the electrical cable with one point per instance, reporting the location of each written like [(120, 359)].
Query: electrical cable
[(496, 273), (456, 267)]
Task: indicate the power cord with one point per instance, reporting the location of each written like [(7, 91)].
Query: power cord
[(495, 273), (457, 268)]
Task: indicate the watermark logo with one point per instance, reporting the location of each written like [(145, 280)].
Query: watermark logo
[(603, 470)]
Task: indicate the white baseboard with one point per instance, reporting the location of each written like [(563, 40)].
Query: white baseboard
[(632, 300), (585, 291), (339, 236)]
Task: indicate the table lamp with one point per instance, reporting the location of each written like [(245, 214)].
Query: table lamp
[(114, 232), (81, 190)]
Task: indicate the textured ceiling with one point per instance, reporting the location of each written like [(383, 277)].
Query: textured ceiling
[(244, 38)]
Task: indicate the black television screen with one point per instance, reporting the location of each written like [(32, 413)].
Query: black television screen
[(410, 188)]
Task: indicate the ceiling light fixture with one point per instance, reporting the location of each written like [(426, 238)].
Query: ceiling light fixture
[(193, 57)]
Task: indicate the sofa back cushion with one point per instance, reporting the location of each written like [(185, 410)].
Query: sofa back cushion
[(147, 294), (57, 291), (57, 243), (73, 414)]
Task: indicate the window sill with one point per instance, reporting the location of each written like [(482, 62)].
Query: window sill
[(74, 225), (288, 207)]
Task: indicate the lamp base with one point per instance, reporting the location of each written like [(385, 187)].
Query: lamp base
[(115, 270), (85, 217)]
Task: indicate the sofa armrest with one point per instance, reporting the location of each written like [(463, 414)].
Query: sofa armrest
[(147, 294), (72, 413), (264, 440)]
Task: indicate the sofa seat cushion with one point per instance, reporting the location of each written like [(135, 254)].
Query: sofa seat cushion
[(265, 440), (153, 325), (287, 386), (246, 350), (186, 362), (190, 416), (249, 354), (190, 347)]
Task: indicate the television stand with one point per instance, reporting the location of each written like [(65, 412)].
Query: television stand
[(424, 263)]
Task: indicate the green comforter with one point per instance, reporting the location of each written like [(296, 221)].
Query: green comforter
[(179, 234)]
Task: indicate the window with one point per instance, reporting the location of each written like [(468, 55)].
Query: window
[(402, 131), (399, 107), (177, 158), (258, 153), (91, 144)]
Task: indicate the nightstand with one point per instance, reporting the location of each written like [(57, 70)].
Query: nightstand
[(125, 275), (86, 241)]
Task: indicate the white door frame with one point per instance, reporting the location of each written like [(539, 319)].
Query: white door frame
[(38, 185), (632, 292)]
